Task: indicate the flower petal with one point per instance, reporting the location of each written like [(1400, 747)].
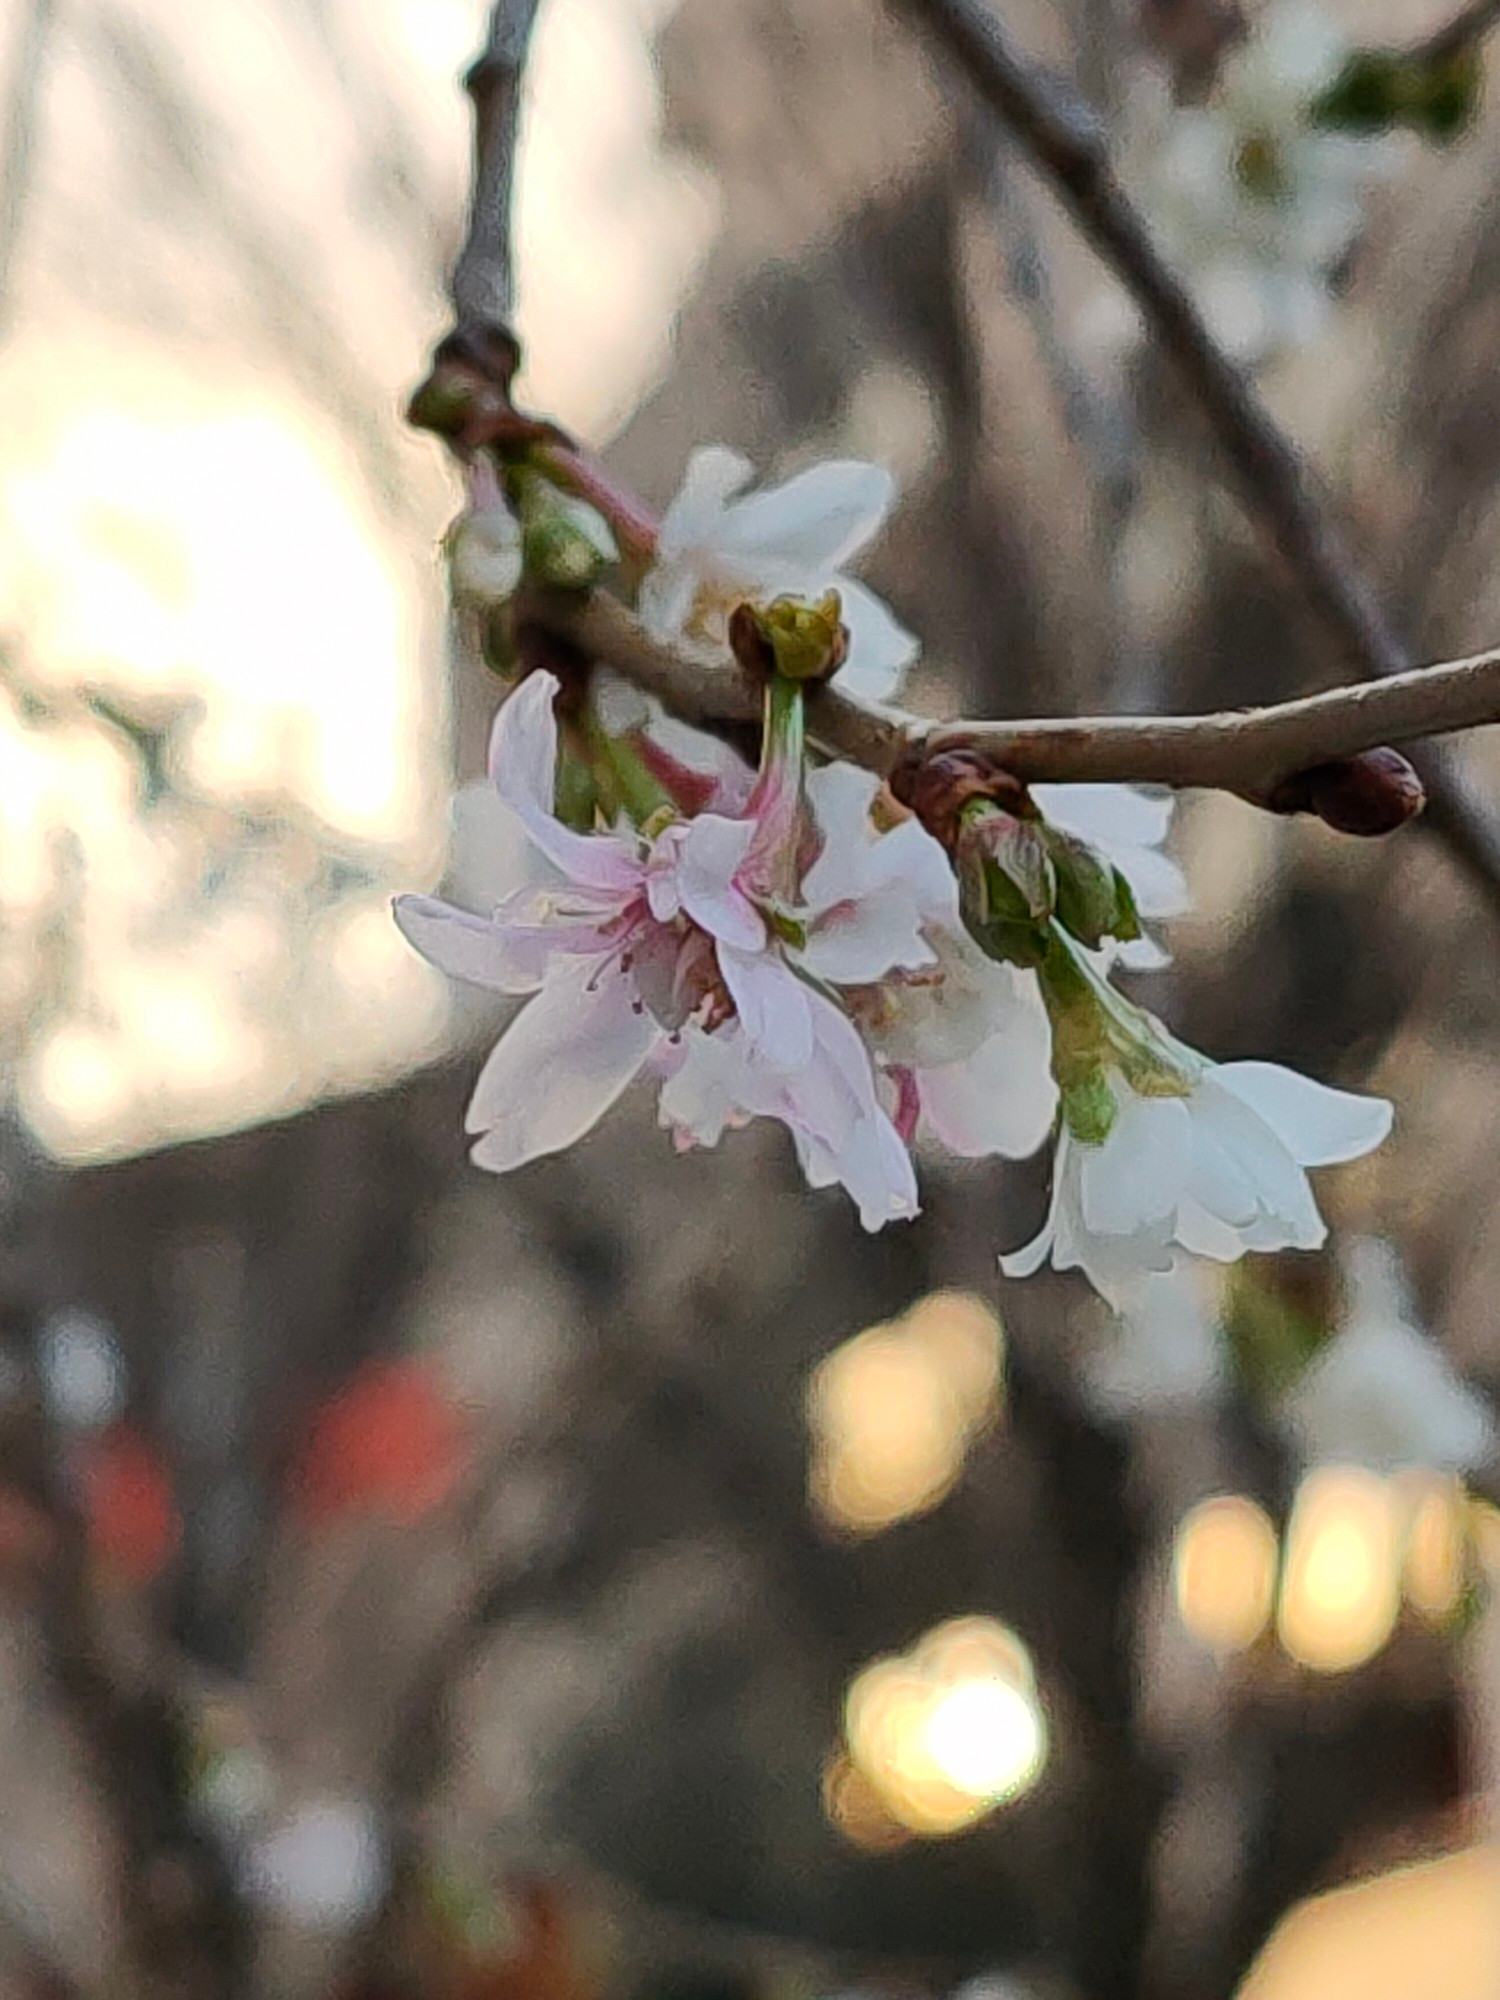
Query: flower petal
[(1288, 1216), (811, 524), (714, 474), (772, 1005), (523, 766), (1001, 1099), (559, 1066), (1137, 1176), (1319, 1126), (710, 852), (880, 647), (472, 948), (1108, 816)]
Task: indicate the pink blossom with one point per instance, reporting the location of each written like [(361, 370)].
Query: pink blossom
[(671, 952)]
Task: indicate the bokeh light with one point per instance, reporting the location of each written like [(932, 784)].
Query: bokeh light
[(893, 1412), (1224, 1572), (1435, 1559), (944, 1734), (1341, 1583)]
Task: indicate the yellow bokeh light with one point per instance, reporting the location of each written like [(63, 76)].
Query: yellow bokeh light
[(892, 1412), (1224, 1572), (1484, 1536), (1341, 1585), (852, 1804), (947, 1732), (1436, 1552), (1425, 1932)]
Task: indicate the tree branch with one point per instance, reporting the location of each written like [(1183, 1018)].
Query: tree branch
[(1063, 141), (1470, 24), (1250, 752), (483, 283)]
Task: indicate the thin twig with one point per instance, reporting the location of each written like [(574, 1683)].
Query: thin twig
[(1063, 141), (1470, 24), (483, 286), (28, 66), (1249, 752)]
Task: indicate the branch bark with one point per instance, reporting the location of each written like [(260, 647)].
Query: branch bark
[(483, 285), (1062, 139), (1470, 24), (1250, 752)]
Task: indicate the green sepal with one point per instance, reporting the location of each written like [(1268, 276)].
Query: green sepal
[(576, 796), (1094, 901), (565, 543), (1381, 90), (1006, 886), (807, 639), (1090, 1107)]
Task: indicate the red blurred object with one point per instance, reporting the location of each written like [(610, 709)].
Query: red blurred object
[(125, 1493), (542, 1964), (388, 1443)]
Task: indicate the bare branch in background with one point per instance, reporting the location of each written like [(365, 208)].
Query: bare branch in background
[(18, 123), (1470, 24), (1061, 137)]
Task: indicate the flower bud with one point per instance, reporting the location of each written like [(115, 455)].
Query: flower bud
[(937, 786), (1006, 884), (1094, 901), (485, 555), (792, 636), (566, 543), (1371, 794)]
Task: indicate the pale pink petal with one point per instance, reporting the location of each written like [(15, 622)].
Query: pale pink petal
[(559, 1066), (1319, 1126), (708, 856), (470, 947), (523, 765), (773, 1008), (1001, 1099), (856, 944)]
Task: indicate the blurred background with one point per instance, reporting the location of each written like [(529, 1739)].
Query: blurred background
[(627, 1578)]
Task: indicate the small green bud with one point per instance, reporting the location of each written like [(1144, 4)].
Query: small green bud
[(1379, 90), (1006, 885), (792, 636), (484, 555), (1094, 901), (565, 542)]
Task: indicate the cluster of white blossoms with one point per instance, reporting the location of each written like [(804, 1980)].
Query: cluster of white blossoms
[(1255, 202), (791, 943)]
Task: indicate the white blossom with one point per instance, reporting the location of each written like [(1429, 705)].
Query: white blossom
[(719, 547), (646, 950), (1165, 1350), (1253, 202), (322, 1867), (1381, 1393), (1214, 1165)]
